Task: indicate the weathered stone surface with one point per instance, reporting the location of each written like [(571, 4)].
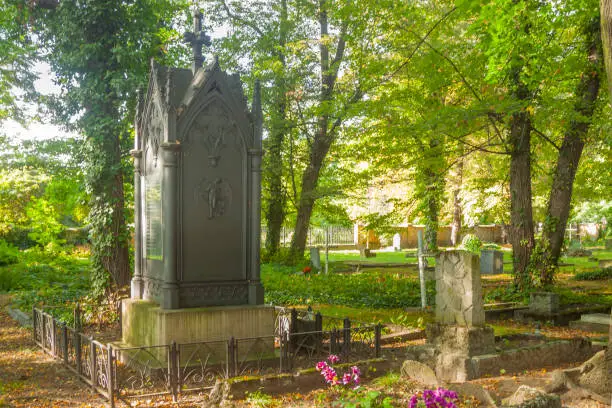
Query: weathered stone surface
[(470, 341), (476, 391), (543, 302), (458, 289), (315, 258), (424, 353), (528, 397), (420, 373), (599, 318), (605, 263), (594, 375)]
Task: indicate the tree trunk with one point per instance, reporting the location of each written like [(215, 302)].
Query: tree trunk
[(567, 162), (323, 138), (275, 214), (521, 214), (457, 210), (432, 213)]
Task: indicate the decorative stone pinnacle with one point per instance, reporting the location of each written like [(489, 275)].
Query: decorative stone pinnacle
[(197, 39)]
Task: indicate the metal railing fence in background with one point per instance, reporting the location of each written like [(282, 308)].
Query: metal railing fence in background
[(126, 373)]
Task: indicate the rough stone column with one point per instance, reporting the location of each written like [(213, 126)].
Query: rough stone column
[(459, 289), (170, 288), (609, 357), (136, 284)]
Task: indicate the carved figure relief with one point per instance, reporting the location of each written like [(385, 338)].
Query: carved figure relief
[(217, 194), (214, 129)]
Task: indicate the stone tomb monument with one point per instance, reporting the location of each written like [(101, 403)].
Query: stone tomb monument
[(459, 333), (197, 162)]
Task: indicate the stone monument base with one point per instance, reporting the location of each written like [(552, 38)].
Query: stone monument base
[(145, 324), (454, 348)]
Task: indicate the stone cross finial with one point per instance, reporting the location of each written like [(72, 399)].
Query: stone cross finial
[(197, 39)]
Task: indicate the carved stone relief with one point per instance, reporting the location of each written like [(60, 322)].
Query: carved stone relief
[(217, 194)]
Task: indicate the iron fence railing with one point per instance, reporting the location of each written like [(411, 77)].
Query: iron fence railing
[(334, 235), (126, 373)]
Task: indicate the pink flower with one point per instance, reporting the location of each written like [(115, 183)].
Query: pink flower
[(346, 378), (321, 365), (333, 358)]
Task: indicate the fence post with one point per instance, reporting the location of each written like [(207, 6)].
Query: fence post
[(53, 337), (65, 342), (319, 328), (173, 374), (77, 352), (377, 334), (294, 319), (34, 323), (92, 356), (44, 331), (347, 337), (231, 360), (77, 317), (109, 375)]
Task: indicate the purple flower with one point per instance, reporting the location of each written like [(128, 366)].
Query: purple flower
[(333, 358), (346, 378), (413, 401)]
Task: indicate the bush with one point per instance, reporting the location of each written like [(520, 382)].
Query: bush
[(8, 254), (491, 246), (471, 243), (601, 274), (371, 289)]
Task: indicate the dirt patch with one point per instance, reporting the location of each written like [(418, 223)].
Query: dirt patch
[(30, 378)]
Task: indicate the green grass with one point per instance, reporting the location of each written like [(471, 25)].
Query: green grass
[(396, 316), (381, 257)]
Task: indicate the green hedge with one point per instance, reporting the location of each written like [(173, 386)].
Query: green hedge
[(600, 274), (283, 286)]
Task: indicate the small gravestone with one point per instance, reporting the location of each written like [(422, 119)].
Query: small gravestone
[(543, 303), (315, 258), (491, 262), (397, 242), (608, 243)]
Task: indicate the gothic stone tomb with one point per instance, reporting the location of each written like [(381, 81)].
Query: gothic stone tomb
[(197, 211)]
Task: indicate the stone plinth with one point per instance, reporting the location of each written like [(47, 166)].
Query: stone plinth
[(458, 289), (543, 302), (144, 323), (491, 262)]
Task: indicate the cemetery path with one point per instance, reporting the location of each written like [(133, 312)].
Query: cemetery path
[(30, 378)]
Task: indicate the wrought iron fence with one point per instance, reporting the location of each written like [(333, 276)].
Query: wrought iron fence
[(124, 373), (334, 235)]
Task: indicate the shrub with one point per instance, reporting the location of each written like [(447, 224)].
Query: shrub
[(283, 286), (471, 243), (8, 254), (600, 274), (8, 279), (491, 246)]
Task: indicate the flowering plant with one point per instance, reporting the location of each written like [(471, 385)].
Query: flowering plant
[(440, 398), (306, 269), (330, 375)]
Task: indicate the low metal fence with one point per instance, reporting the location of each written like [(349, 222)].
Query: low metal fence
[(126, 373)]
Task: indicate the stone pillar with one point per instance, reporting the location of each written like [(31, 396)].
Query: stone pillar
[(170, 288), (609, 357), (136, 284), (459, 332), (256, 293), (459, 289)]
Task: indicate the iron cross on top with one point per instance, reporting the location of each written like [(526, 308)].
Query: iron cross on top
[(197, 39)]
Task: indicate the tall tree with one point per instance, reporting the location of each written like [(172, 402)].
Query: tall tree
[(570, 152), (100, 51)]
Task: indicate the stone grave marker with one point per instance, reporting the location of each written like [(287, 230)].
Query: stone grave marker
[(315, 258), (397, 242), (459, 332), (491, 262), (197, 189)]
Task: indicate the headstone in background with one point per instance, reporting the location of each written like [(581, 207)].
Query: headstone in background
[(491, 262), (397, 242), (543, 302), (315, 258)]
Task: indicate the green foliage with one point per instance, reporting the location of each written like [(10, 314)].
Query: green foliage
[(472, 243), (283, 286), (600, 274), (44, 278), (259, 399), (363, 398), (8, 253)]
